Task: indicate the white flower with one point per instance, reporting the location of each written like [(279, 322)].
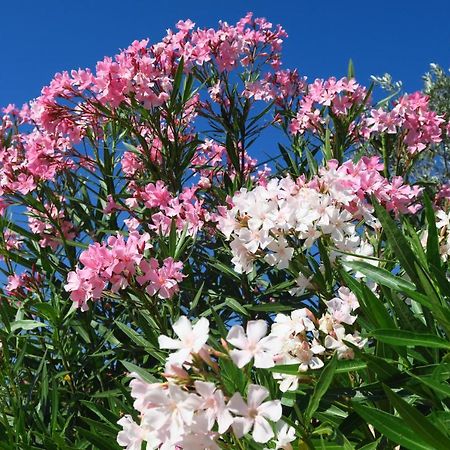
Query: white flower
[(192, 339), (298, 322), (341, 307), (253, 345), (242, 258), (444, 219), (337, 342), (364, 249), (170, 410), (254, 239), (305, 353), (303, 283), (281, 255), (287, 382), (254, 413), (213, 402), (227, 223), (337, 223), (285, 435), (132, 434), (310, 235), (262, 213), (139, 391), (200, 436), (305, 216)]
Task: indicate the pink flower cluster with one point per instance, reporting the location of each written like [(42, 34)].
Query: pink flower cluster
[(27, 158), (185, 209), (353, 183), (51, 225), (146, 73), (211, 162), (133, 161), (11, 240), (410, 117), (82, 100), (338, 95), (115, 264), (280, 86), (20, 286)]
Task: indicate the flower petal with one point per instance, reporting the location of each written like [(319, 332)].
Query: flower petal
[(167, 342), (263, 360), (241, 357), (241, 426), (256, 330), (237, 405), (271, 410), (236, 337), (182, 327), (262, 431), (256, 395)]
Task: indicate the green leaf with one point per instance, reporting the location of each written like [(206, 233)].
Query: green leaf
[(350, 69), (433, 254), (409, 338), (421, 425), (381, 276), (102, 413), (236, 306), (327, 145), (269, 307), (325, 379), (371, 446), (26, 325), (375, 307), (196, 299), (392, 427), (380, 366), (146, 376), (344, 366), (99, 441), (288, 369), (135, 337), (397, 241), (222, 268), (440, 387)]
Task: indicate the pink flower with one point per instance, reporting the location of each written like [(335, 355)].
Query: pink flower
[(84, 284), (162, 281)]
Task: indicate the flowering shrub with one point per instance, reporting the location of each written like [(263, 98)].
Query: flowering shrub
[(296, 302)]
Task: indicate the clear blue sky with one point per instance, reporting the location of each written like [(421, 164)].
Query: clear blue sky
[(41, 37)]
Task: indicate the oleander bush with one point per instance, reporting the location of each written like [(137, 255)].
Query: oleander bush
[(201, 249)]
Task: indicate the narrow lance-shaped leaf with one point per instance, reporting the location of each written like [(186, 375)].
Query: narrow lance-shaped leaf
[(423, 427), (409, 338)]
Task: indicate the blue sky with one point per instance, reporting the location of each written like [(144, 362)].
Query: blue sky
[(39, 38)]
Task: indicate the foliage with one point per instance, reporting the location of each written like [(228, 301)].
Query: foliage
[(301, 302)]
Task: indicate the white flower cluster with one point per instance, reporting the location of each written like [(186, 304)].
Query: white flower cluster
[(270, 221), (189, 414), (443, 226), (298, 339), (194, 412)]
